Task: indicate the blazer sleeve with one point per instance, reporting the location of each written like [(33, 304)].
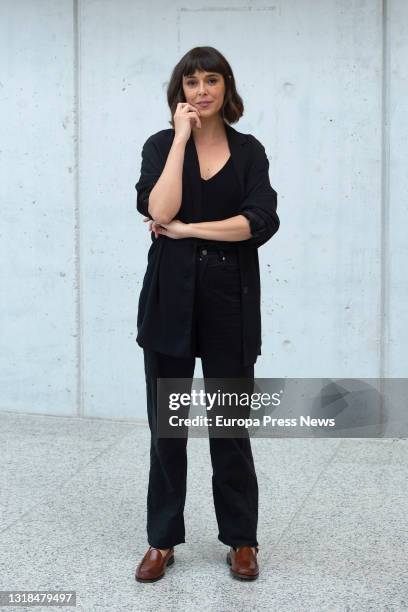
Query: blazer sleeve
[(260, 203), (151, 168)]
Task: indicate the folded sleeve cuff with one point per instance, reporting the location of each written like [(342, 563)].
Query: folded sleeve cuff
[(256, 223)]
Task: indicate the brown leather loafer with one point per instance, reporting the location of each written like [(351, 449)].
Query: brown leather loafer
[(243, 562), (153, 565)]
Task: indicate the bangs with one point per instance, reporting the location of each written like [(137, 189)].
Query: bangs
[(202, 60)]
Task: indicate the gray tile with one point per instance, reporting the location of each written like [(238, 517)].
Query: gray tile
[(40, 453)]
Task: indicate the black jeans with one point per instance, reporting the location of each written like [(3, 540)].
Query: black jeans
[(234, 483)]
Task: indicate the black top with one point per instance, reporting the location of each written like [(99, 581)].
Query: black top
[(220, 199), (166, 299)]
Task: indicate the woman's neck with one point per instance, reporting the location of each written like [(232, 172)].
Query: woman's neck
[(212, 130)]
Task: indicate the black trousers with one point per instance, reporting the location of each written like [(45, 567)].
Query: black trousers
[(217, 340)]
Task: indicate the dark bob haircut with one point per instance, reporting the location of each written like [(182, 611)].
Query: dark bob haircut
[(207, 59)]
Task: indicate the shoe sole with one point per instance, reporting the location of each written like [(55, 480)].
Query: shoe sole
[(237, 575), (168, 564)]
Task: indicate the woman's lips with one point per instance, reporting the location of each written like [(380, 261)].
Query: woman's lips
[(203, 104)]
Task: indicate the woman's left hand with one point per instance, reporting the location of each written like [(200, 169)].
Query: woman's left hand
[(175, 229)]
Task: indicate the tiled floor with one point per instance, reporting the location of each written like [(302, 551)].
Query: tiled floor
[(333, 527)]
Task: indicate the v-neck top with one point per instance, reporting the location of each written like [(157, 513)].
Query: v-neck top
[(221, 198), (219, 171)]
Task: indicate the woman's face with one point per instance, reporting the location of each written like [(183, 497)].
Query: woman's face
[(205, 87)]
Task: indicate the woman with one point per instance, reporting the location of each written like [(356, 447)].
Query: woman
[(204, 190)]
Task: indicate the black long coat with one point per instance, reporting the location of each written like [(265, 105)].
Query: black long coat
[(165, 312)]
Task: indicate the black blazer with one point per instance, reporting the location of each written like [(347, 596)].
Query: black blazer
[(166, 300)]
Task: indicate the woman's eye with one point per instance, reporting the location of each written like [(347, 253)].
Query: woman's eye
[(192, 83)]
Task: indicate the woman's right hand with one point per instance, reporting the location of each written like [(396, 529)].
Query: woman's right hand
[(185, 117)]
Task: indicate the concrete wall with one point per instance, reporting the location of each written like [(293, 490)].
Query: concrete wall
[(82, 86)]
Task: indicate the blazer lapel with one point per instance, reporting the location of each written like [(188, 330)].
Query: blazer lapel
[(236, 142)]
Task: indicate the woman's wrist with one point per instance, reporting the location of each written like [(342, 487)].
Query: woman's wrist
[(189, 229)]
